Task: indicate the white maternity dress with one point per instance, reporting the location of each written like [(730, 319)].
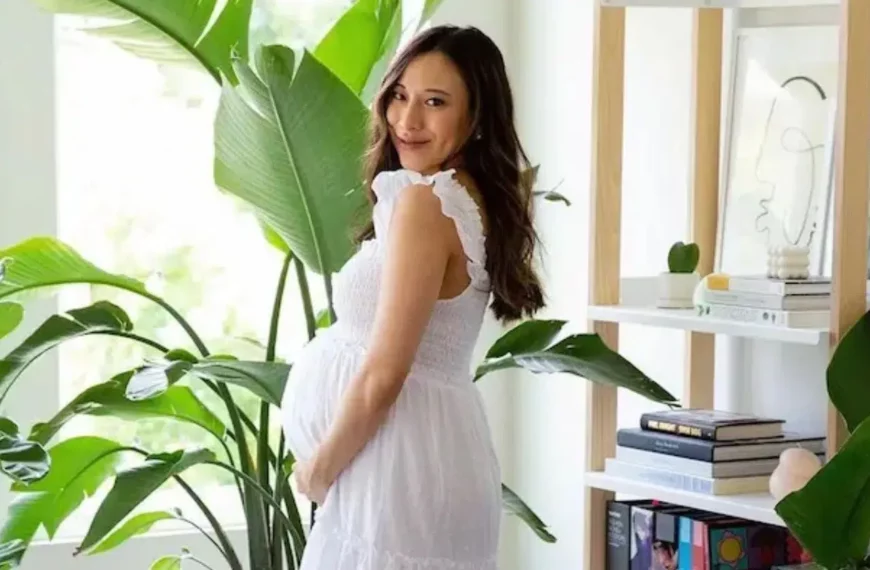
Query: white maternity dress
[(425, 492)]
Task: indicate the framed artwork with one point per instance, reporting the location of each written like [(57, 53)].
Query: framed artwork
[(779, 147)]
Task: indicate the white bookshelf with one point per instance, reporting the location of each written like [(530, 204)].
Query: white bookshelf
[(687, 320), (754, 506), (614, 300), (725, 4)]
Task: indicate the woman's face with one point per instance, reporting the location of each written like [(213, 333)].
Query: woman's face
[(427, 113)]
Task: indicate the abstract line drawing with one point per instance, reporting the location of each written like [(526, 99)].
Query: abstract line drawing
[(779, 146), (796, 140)]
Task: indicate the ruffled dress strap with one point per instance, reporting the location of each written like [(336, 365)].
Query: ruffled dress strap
[(456, 203)]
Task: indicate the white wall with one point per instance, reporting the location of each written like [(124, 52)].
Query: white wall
[(554, 51), (555, 45), (493, 17)]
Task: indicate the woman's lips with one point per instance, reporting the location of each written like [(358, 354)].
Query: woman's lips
[(410, 143)]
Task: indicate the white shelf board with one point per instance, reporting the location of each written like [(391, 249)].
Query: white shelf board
[(755, 506), (686, 319), (720, 3)]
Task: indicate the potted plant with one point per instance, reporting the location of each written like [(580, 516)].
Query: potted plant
[(677, 285), (827, 507), (280, 151)]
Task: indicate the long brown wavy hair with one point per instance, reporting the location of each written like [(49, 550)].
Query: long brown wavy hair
[(493, 157)]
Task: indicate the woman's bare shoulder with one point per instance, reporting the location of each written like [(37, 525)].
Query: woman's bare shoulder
[(470, 184)]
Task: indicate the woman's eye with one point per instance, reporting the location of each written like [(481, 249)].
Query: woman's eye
[(398, 96), (436, 102)]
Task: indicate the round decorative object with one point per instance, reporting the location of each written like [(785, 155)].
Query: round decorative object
[(788, 262), (796, 467)]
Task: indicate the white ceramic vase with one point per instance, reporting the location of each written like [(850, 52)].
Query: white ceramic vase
[(676, 290)]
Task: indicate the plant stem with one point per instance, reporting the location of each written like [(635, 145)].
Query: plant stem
[(310, 322), (305, 291), (133, 336), (200, 345), (293, 514), (276, 308), (229, 551), (276, 526), (205, 534), (256, 486), (263, 448), (327, 284), (198, 561)]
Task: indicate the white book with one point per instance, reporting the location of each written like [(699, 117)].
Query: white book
[(771, 317), (707, 469), (818, 302), (686, 482)]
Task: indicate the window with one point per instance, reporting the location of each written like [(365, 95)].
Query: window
[(136, 196)]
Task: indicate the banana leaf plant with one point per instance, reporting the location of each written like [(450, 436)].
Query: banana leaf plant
[(830, 514), (288, 135)]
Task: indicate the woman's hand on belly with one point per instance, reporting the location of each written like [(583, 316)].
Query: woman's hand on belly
[(310, 483)]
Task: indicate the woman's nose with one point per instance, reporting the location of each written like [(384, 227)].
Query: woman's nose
[(412, 116)]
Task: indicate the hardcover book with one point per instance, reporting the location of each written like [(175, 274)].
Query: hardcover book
[(715, 425)]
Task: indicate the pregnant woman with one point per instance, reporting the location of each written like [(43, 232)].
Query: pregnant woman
[(389, 432)]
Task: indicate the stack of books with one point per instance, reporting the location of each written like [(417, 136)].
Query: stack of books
[(654, 535), (713, 452), (797, 303)]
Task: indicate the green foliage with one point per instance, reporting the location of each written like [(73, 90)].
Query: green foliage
[(288, 136), (683, 257), (194, 32), (21, 460), (830, 515)]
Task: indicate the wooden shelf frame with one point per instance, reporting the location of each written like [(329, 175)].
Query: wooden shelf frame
[(851, 186)]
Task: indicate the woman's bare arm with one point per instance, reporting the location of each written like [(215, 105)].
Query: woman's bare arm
[(420, 243)]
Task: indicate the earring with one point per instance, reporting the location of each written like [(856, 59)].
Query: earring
[(478, 135)]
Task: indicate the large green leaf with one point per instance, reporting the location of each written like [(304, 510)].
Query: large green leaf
[(11, 315), (390, 17), (21, 460), (429, 9), (830, 515), (529, 336), (153, 379), (47, 262), (100, 318), (353, 45), (202, 32), (848, 374), (265, 379), (134, 485), (583, 355), (79, 467), (290, 145), (134, 526), (110, 399), (11, 552), (512, 504), (22, 520)]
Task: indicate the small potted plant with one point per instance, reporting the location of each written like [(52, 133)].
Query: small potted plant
[(677, 285)]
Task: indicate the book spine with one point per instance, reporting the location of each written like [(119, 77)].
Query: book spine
[(769, 317), (696, 449), (684, 550), (651, 423), (661, 477), (618, 555), (767, 301)]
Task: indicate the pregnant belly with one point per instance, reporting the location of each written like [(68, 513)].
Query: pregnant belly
[(317, 380)]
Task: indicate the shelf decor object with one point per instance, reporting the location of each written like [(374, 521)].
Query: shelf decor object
[(676, 286), (847, 231)]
